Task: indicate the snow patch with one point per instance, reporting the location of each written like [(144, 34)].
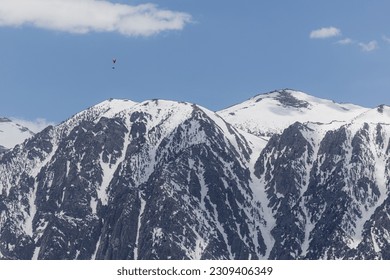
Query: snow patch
[(141, 212), (108, 171)]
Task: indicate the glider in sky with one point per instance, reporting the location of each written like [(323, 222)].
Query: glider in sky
[(113, 63)]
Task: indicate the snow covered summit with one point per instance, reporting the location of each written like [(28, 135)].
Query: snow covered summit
[(270, 113), (12, 133)]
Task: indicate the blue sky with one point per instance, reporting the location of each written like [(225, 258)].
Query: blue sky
[(55, 63)]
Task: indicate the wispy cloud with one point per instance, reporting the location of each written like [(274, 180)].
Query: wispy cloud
[(35, 126), (346, 41), (369, 47), (325, 32), (328, 32), (83, 16), (386, 39)]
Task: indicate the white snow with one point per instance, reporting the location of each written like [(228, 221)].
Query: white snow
[(36, 253), (267, 220), (108, 171), (261, 214), (141, 212), (374, 243), (157, 234), (162, 118), (313, 135), (107, 108), (265, 115), (223, 126), (96, 249), (102, 190), (379, 176), (381, 114), (28, 224), (12, 133), (93, 204), (200, 245)]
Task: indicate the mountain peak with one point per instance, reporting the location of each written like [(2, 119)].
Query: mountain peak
[(380, 114), (3, 120), (290, 98), (383, 108), (12, 133), (106, 108), (269, 113), (112, 103)]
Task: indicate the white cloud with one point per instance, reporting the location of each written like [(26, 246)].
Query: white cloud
[(83, 16), (325, 32), (386, 39), (35, 126), (369, 47), (346, 41)]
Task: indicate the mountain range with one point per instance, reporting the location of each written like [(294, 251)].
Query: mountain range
[(283, 175)]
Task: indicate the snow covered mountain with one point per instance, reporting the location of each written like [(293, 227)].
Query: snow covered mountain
[(172, 180), (12, 133), (270, 113), (154, 180), (330, 191)]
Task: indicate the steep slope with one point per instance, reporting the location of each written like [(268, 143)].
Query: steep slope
[(12, 133), (329, 192), (270, 113), (154, 180)]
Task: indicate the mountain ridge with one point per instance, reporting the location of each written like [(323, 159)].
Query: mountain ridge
[(172, 180)]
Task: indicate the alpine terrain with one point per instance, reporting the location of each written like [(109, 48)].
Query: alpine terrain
[(283, 175), (12, 133)]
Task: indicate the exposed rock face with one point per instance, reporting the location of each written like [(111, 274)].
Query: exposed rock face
[(326, 194), (287, 99)]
